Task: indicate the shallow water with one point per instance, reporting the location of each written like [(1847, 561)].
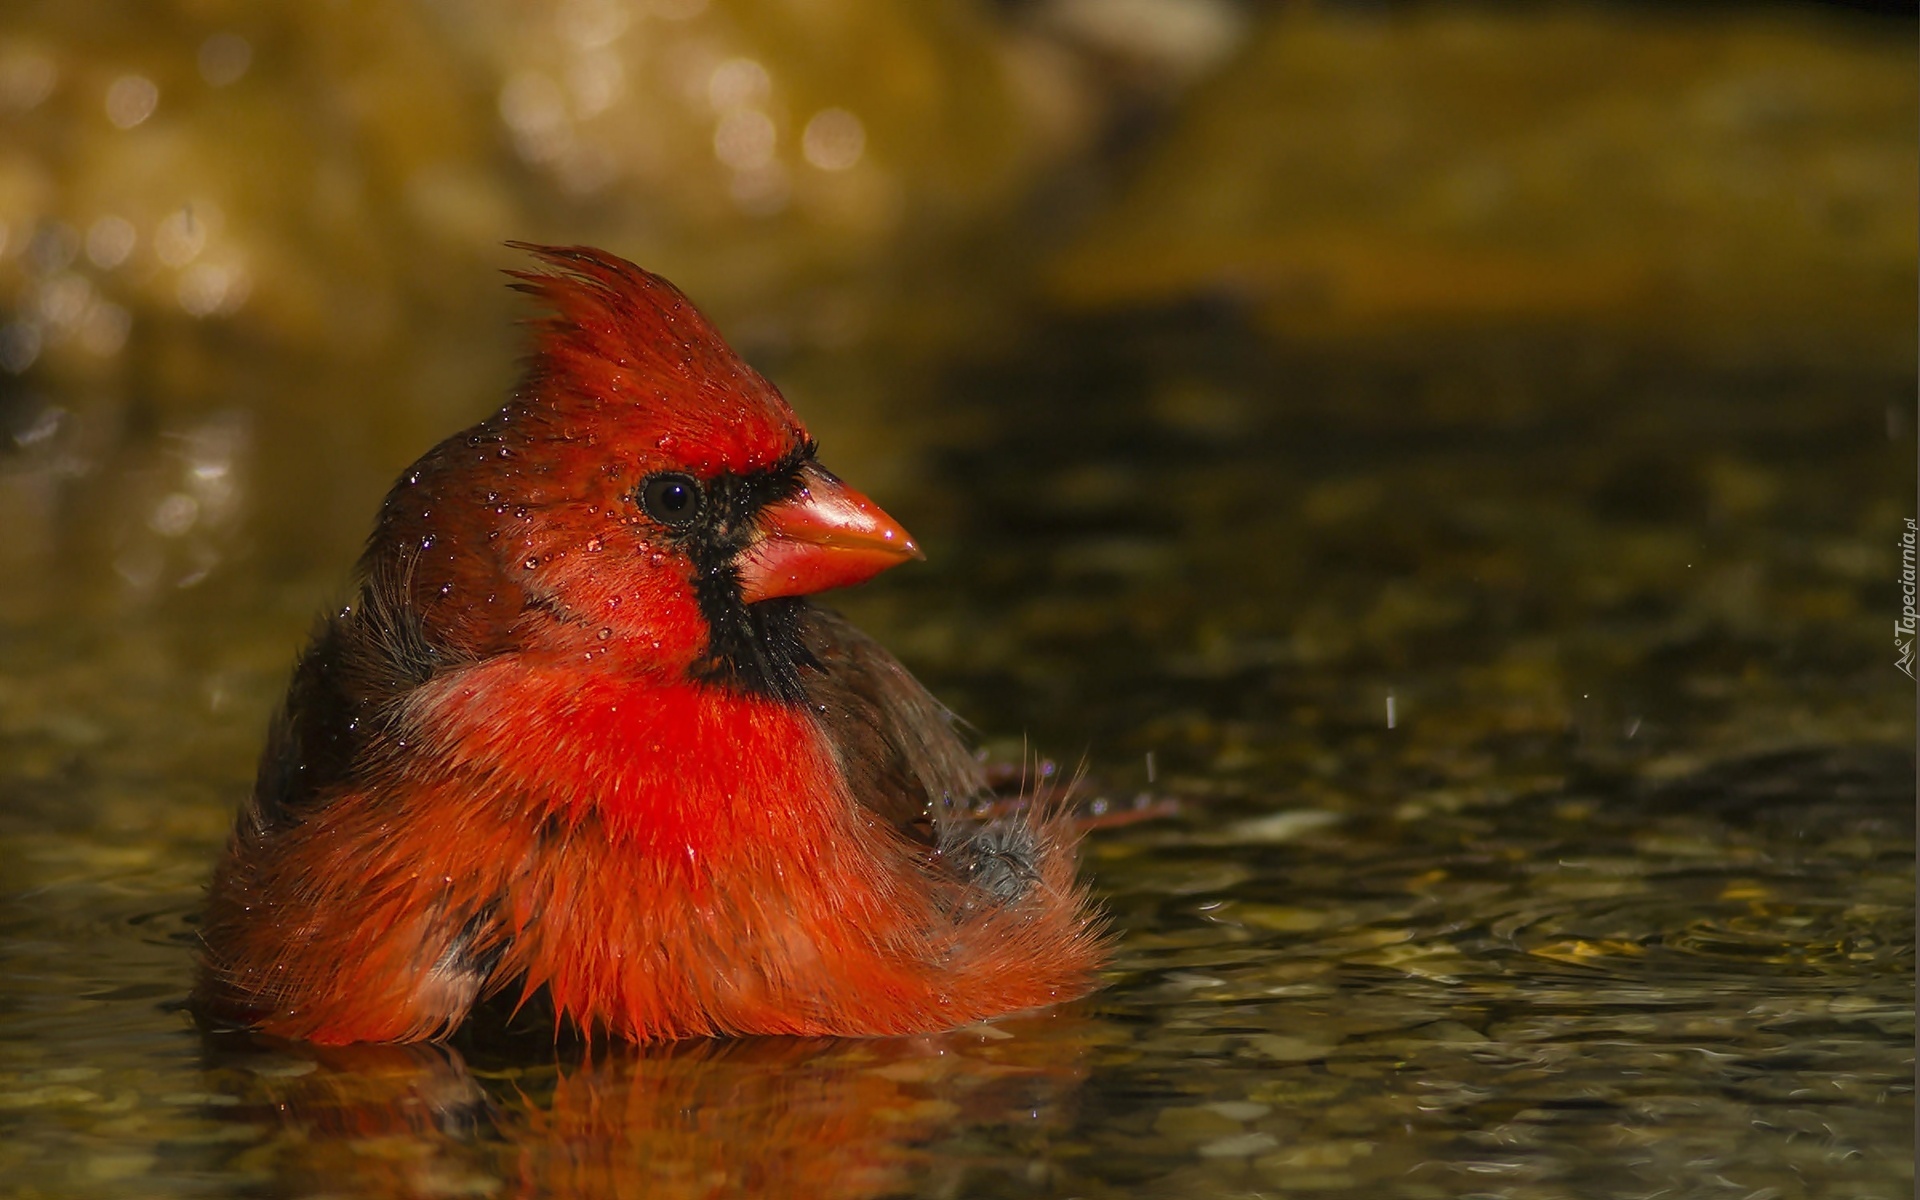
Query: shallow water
[(1620, 903), (1518, 673)]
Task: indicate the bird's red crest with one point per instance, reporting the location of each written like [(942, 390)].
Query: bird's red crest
[(621, 336)]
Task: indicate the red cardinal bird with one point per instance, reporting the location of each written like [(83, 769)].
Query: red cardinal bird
[(580, 731)]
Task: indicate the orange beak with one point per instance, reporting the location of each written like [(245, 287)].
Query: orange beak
[(825, 536)]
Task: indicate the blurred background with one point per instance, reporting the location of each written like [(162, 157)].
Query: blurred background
[(267, 238), (1461, 451)]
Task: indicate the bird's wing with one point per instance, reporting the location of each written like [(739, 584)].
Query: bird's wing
[(895, 744)]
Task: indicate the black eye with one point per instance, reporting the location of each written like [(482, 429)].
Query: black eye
[(672, 500)]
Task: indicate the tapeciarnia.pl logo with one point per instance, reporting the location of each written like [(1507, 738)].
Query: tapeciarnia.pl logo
[(1903, 628)]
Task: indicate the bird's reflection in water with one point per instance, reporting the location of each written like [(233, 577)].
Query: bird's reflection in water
[(771, 1116)]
